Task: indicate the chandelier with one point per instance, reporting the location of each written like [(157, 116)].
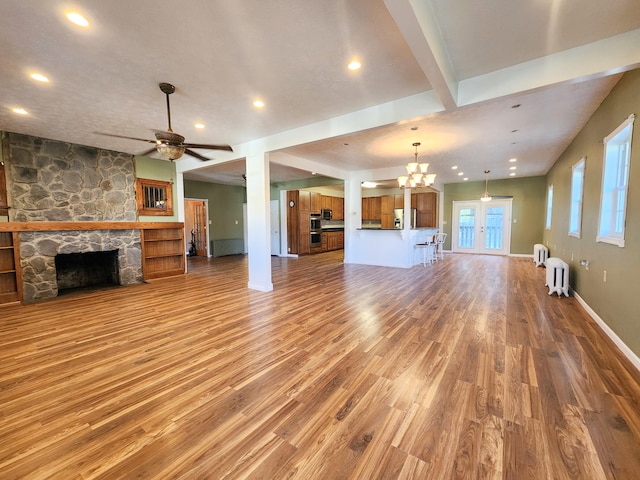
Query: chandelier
[(486, 196), (416, 173)]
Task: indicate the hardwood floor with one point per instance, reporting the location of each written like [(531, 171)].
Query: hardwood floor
[(462, 369)]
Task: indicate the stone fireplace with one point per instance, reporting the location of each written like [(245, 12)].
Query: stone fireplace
[(38, 251), (56, 182)]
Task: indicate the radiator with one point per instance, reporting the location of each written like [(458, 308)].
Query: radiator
[(540, 254), (557, 276), (229, 246)]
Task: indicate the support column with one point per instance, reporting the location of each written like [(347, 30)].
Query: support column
[(258, 219), (352, 215)]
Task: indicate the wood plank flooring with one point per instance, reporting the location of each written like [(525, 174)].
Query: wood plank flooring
[(462, 369)]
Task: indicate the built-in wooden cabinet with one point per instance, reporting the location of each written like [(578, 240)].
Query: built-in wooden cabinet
[(337, 206), (327, 202), (371, 208), (335, 240), (316, 202), (163, 253), (426, 209), (10, 273)]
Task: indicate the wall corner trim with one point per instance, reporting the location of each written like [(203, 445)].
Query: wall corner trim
[(627, 352)]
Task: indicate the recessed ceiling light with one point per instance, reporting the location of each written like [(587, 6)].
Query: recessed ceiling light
[(455, 167), (354, 65), (258, 103), (78, 19), (199, 126), (465, 178), (512, 174), (39, 77), (460, 174), (513, 168), (517, 105), (514, 131), (513, 160), (369, 184), (19, 111)]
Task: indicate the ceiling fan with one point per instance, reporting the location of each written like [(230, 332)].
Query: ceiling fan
[(169, 144)]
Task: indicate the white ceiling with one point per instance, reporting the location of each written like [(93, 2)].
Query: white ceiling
[(450, 70)]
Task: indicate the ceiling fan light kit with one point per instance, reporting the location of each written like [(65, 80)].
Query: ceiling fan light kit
[(416, 173), (169, 144)]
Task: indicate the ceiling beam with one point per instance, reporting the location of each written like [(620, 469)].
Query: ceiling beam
[(612, 55), (418, 25)]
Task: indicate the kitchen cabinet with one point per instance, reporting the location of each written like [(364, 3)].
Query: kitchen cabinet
[(334, 241), (10, 272), (316, 202), (371, 208), (337, 205), (327, 202), (398, 201), (426, 209), (304, 201)]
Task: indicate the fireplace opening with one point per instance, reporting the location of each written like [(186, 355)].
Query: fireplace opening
[(86, 270)]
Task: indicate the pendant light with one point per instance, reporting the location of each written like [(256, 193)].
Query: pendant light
[(416, 173), (486, 196)]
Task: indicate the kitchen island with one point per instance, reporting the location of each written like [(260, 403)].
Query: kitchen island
[(386, 247)]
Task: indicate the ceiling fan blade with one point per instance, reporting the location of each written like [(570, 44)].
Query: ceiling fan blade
[(209, 147), (196, 155), (123, 136)]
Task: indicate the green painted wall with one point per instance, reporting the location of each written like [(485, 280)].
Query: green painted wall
[(527, 207), (302, 184), (156, 169), (225, 207), (615, 300)]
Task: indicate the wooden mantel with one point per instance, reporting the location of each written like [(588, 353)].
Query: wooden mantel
[(83, 226), (162, 245)]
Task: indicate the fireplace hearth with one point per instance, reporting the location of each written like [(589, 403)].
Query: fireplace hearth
[(84, 270)]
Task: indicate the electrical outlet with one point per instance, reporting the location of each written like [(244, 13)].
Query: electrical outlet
[(604, 277)]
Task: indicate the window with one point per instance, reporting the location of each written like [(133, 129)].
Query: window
[(547, 222), (153, 197), (615, 180), (577, 187)]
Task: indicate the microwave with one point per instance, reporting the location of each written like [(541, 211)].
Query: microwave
[(327, 214)]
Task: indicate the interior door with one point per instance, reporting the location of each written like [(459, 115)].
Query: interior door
[(482, 227), (196, 212)]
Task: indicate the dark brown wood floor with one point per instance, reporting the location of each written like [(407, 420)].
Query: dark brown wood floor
[(463, 369)]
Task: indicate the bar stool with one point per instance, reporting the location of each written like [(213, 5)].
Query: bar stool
[(428, 250), (439, 241)]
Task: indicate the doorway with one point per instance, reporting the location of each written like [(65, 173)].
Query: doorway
[(482, 227), (195, 226)]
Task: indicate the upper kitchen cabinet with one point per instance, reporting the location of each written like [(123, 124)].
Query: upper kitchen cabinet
[(337, 206), (316, 202), (327, 202), (304, 201), (426, 209)]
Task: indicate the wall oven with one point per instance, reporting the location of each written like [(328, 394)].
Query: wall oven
[(316, 239), (315, 223), (315, 230)]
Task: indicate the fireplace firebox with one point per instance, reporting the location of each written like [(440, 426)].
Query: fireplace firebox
[(86, 270)]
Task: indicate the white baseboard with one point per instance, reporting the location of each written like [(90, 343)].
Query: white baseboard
[(630, 354), (525, 255)]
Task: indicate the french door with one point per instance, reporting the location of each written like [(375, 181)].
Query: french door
[(482, 227)]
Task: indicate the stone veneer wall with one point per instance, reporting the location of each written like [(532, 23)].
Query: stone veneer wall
[(55, 181), (39, 249)]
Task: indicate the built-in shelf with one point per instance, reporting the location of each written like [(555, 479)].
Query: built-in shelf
[(10, 273), (163, 252)]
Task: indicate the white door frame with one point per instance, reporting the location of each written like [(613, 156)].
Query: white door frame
[(480, 230)]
